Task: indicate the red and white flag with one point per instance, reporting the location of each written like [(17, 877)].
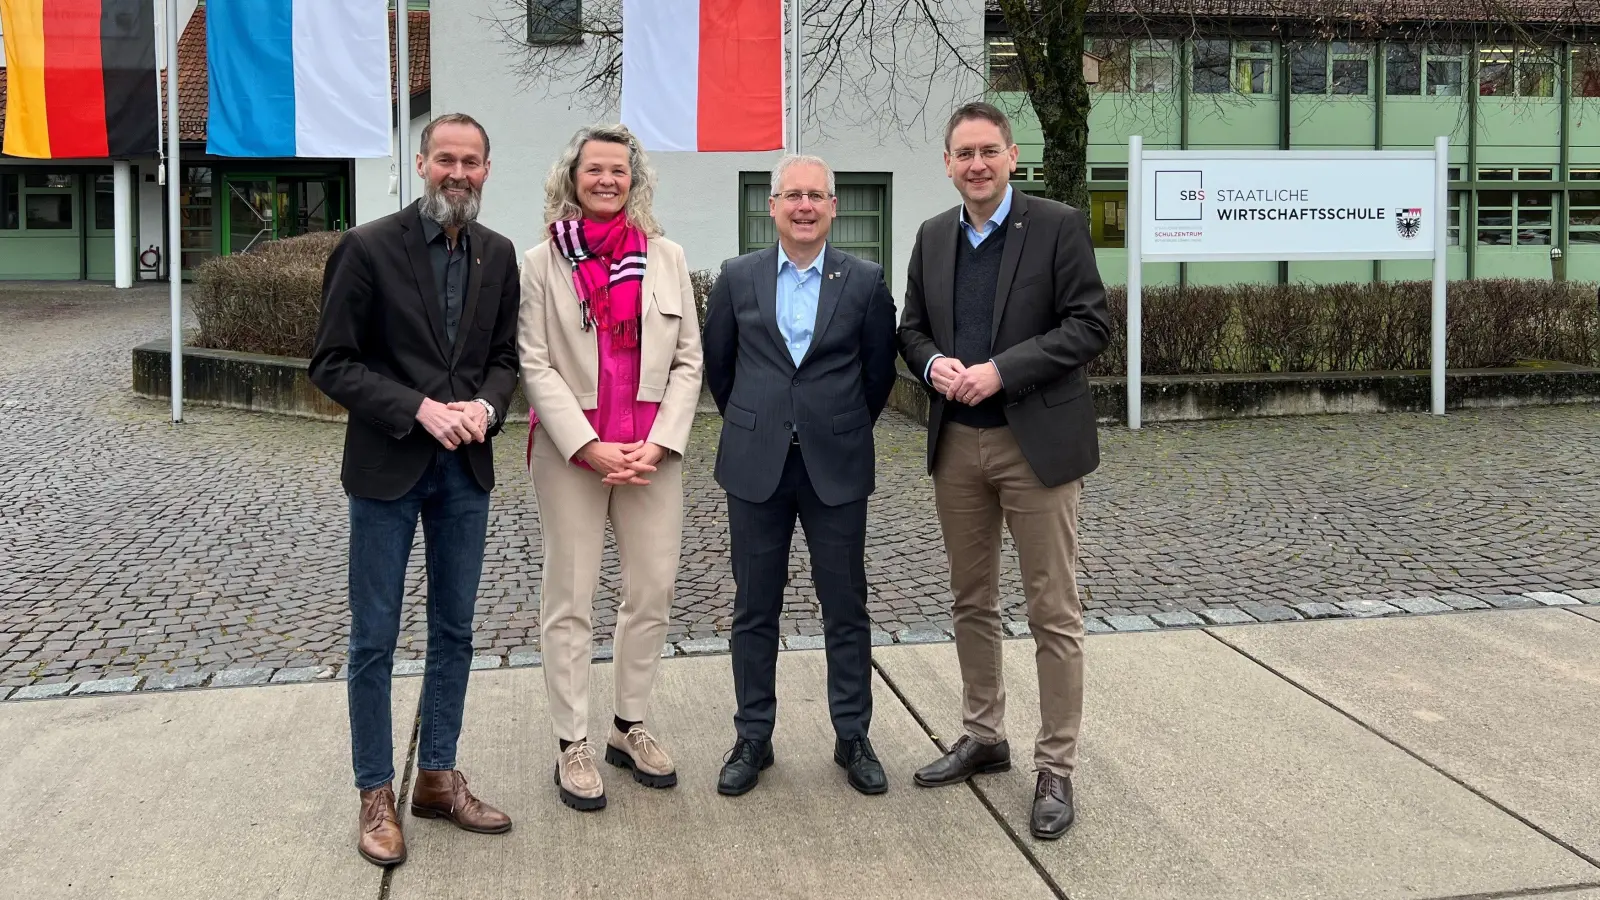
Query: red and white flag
[(703, 75)]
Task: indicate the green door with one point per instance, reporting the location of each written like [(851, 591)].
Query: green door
[(261, 208)]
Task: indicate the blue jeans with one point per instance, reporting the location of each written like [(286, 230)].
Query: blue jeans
[(455, 517)]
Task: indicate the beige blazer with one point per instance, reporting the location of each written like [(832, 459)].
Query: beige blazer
[(561, 361)]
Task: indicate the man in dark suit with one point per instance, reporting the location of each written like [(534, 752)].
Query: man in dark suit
[(799, 349), (418, 342), (1004, 309)]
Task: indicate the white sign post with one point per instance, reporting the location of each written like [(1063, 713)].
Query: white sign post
[(1278, 205)]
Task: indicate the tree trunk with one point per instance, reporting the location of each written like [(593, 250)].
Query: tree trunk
[(1050, 45)]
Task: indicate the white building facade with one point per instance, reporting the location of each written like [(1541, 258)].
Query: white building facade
[(890, 171)]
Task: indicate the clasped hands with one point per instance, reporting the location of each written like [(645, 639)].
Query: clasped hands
[(622, 463), (962, 384), (454, 424)]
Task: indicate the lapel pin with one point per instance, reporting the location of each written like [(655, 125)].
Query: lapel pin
[(1019, 225)]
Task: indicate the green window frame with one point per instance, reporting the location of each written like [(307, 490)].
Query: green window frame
[(103, 198), (1521, 218), (1505, 71), (1144, 66), (1220, 66), (48, 202), (1340, 68), (1433, 70), (862, 227), (1583, 217)]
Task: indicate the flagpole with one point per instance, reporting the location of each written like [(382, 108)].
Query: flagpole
[(798, 8), (174, 224), (402, 71)]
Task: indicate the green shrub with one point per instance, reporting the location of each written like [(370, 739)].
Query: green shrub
[(1354, 327), (267, 300)]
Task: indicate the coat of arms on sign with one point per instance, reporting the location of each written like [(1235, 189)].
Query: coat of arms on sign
[(1408, 222)]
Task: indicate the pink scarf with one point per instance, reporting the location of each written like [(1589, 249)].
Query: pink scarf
[(608, 270)]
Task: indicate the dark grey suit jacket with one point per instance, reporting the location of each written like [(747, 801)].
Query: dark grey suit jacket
[(381, 347), (832, 398), (1050, 321)]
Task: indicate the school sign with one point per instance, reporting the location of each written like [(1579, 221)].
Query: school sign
[(1277, 205)]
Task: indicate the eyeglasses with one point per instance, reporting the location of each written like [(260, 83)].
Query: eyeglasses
[(793, 198), (965, 154)]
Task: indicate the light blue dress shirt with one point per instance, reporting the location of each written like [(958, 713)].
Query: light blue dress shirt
[(976, 237), (799, 291)]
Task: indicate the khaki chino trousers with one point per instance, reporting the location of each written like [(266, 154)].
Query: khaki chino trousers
[(981, 480), (647, 520)]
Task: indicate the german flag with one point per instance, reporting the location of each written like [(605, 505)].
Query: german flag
[(80, 78)]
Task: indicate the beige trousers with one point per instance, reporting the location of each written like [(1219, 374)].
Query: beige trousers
[(980, 479), (574, 506)]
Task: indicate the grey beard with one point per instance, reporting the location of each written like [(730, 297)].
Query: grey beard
[(450, 212)]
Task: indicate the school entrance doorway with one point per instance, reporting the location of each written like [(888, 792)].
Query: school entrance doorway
[(261, 208)]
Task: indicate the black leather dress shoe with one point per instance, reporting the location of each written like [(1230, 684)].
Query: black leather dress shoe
[(861, 766), (742, 769), (1052, 807), (966, 759)]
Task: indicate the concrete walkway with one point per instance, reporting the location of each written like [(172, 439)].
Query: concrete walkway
[(1436, 757)]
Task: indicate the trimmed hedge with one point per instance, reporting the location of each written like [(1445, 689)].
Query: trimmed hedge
[(269, 301), (1244, 328)]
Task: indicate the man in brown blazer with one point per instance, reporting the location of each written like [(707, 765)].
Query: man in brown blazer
[(1004, 309)]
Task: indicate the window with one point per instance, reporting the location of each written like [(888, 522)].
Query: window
[(1211, 62), (555, 21), (1516, 72), (1584, 175), (860, 229), (1586, 71), (1308, 69), (1143, 66), (1446, 70), (1253, 67), (1004, 73), (1108, 219), (48, 212), (1524, 217), (1456, 198), (1222, 66), (1402, 70), (1116, 64), (1108, 173), (105, 203), (1494, 174), (1342, 67), (1583, 217), (196, 216), (47, 182), (1155, 67), (1535, 174), (10, 197)]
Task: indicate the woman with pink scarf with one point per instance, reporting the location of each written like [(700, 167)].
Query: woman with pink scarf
[(611, 367)]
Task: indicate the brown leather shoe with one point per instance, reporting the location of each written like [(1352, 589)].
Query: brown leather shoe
[(382, 842), (444, 795)]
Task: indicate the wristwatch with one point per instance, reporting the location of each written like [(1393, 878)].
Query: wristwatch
[(488, 409)]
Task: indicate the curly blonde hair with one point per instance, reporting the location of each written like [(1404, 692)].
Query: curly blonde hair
[(561, 186)]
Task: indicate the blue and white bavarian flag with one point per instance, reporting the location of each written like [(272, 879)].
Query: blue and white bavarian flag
[(298, 78)]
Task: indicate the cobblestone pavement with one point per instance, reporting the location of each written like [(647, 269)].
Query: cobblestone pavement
[(132, 547)]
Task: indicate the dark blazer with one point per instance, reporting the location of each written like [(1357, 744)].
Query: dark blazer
[(1050, 321), (381, 348), (832, 398)]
